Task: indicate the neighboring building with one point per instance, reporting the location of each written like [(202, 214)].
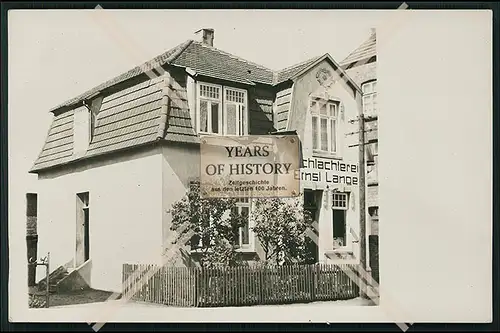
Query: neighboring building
[(361, 65), (118, 156)]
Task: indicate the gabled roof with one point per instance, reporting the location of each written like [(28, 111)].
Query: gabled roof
[(212, 62), (366, 50), (340, 70), (290, 72), (135, 113), (204, 60)]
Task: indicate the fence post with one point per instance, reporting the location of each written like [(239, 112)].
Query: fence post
[(47, 280)]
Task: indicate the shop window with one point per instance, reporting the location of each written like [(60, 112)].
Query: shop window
[(339, 228), (324, 116), (369, 98), (222, 110)]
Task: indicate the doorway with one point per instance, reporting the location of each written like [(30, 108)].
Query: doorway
[(82, 228), (312, 201)]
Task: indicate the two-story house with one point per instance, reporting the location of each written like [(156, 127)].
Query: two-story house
[(118, 156)]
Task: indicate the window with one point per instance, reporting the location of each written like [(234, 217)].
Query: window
[(222, 110), (242, 235), (373, 211), (82, 228), (235, 102), (339, 201), (210, 111), (81, 130), (339, 207), (31, 213), (370, 98), (324, 125)]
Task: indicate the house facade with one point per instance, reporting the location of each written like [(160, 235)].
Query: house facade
[(117, 157), (361, 66)]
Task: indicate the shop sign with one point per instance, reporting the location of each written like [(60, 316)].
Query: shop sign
[(249, 166), (323, 172)]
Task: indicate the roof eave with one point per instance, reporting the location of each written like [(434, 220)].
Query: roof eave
[(90, 157)]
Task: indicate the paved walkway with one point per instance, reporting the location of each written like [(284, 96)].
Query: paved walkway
[(121, 310), (131, 304)]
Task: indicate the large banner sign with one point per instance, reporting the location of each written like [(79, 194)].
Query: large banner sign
[(249, 166), (322, 172)]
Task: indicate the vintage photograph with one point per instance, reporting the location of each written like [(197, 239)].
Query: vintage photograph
[(223, 166), (116, 213)]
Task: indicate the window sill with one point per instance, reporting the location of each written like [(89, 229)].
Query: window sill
[(319, 153), (219, 134), (208, 133), (245, 250), (340, 252)]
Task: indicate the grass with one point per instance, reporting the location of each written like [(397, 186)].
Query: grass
[(70, 298)]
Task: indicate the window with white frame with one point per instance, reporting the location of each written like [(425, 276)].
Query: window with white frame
[(339, 227), (235, 101), (222, 110), (324, 115), (369, 98), (209, 108), (243, 234)]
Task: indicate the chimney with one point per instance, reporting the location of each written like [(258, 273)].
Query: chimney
[(206, 36)]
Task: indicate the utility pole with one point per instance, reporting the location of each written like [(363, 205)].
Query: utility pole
[(362, 199)]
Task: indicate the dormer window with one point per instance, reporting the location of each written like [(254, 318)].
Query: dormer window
[(81, 130), (222, 110), (324, 115)]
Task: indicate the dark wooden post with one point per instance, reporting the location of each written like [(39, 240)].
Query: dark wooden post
[(312, 277), (362, 194), (47, 281)]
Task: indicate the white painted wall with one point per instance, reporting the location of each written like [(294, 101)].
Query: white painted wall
[(180, 165), (125, 214), (349, 155)]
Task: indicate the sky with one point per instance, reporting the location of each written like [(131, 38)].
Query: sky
[(57, 55)]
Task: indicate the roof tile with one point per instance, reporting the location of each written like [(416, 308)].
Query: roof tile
[(136, 115), (366, 50), (289, 72)]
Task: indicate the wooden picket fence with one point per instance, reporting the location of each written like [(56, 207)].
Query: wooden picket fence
[(237, 286)]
